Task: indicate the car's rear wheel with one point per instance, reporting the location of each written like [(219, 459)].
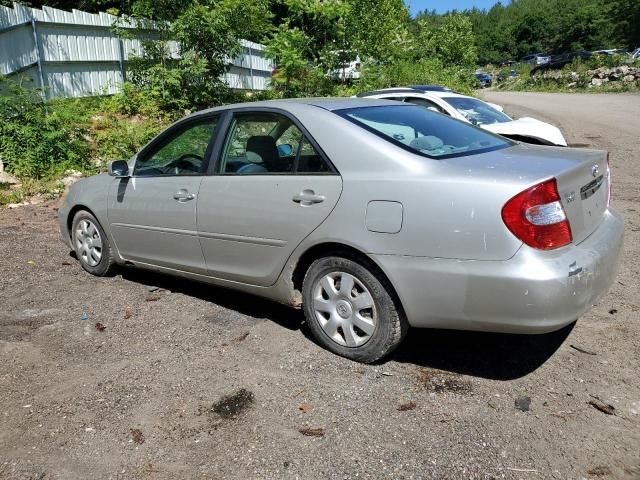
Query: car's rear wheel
[(92, 245), (350, 310)]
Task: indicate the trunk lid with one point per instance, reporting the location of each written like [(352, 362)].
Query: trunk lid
[(584, 193), (582, 177)]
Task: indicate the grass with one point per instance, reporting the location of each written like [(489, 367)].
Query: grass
[(47, 189)]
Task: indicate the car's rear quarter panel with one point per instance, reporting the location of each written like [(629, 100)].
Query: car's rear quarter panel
[(448, 212)]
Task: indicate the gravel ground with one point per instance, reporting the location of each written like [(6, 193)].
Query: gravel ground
[(189, 381)]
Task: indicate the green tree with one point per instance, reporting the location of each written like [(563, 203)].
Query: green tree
[(289, 47), (378, 28), (625, 18), (452, 41), (183, 65)]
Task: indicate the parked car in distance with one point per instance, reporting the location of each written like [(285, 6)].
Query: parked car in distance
[(381, 215), (635, 55), (472, 110), (483, 79), (610, 51), (501, 77), (349, 67), (536, 58), (559, 61)]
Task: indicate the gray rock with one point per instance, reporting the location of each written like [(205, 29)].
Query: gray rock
[(523, 403), (6, 178)]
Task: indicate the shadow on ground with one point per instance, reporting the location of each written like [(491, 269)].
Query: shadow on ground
[(489, 355), (244, 303)]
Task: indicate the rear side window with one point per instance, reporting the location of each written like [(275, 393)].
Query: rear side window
[(424, 132), (263, 143)]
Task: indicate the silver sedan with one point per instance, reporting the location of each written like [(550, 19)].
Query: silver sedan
[(371, 215)]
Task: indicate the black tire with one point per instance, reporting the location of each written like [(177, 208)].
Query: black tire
[(390, 322), (106, 266)]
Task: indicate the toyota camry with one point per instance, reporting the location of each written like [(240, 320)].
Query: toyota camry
[(370, 215)]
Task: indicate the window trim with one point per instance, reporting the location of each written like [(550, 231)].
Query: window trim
[(408, 98), (165, 137), (345, 111), (225, 130)]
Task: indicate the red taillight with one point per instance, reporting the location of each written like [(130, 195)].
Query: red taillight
[(537, 217)]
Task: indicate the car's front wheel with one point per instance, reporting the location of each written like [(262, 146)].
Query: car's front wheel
[(92, 245), (350, 310)]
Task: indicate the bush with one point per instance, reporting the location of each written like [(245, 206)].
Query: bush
[(117, 137), (421, 72), (35, 142)]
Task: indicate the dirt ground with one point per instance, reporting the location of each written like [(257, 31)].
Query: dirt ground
[(190, 381)]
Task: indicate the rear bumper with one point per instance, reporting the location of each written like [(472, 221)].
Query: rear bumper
[(533, 292)]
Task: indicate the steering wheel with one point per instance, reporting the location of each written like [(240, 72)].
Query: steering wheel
[(182, 163)]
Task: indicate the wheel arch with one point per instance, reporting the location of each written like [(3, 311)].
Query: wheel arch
[(72, 213), (337, 249)]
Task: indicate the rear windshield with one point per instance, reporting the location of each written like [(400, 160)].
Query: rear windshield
[(423, 131)]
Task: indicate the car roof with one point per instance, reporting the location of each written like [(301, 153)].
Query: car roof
[(416, 93), (328, 103), (413, 91), (430, 88)]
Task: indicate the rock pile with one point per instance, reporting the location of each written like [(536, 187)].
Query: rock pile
[(621, 76)]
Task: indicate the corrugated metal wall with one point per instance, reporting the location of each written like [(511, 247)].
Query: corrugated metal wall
[(76, 54)]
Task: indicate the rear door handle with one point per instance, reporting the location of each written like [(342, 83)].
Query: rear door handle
[(308, 197), (183, 195)]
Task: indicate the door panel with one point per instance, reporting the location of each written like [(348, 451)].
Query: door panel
[(152, 214), (153, 220), (250, 225)]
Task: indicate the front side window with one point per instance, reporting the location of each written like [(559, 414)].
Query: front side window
[(476, 111), (180, 152), (263, 143), (422, 131)]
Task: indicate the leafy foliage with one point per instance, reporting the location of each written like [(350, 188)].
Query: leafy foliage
[(291, 47), (33, 143), (421, 72), (183, 65), (520, 27), (451, 40)]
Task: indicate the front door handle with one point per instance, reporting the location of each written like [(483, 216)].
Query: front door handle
[(308, 197), (183, 195)]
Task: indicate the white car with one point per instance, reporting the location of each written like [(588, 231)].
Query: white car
[(469, 109), (536, 59), (347, 69)]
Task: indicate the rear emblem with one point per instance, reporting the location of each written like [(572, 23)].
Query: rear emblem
[(595, 170), (570, 197)]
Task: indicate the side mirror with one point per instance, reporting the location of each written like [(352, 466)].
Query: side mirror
[(285, 150), (119, 168)]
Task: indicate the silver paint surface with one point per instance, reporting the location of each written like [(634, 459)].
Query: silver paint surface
[(453, 262)]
